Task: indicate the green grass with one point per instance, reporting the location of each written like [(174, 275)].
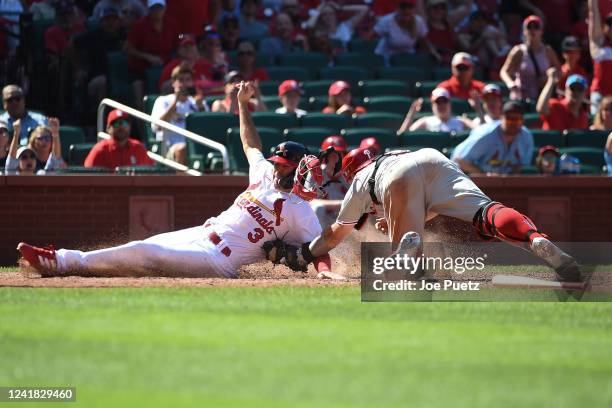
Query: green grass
[(301, 346)]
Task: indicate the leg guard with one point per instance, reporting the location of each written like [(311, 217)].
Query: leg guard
[(495, 220)]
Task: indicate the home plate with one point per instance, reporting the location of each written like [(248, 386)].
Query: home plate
[(513, 281)]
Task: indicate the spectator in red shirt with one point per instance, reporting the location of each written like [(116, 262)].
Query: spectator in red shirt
[(66, 26), (462, 83), (340, 100), (571, 55), (120, 150), (440, 34), (246, 63), (187, 55), (193, 14), (150, 43), (568, 113)]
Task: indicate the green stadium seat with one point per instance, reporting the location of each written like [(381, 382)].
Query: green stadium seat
[(458, 137), (586, 138), (326, 120), (83, 170), (118, 77), (272, 102), (385, 137), (270, 137), (409, 74), (156, 169), (152, 80), (530, 170), (588, 155), (70, 135), (436, 140), (261, 59), (311, 137), (533, 120), (317, 103), (359, 45), (311, 61), (275, 120), (366, 60), (212, 125), (442, 73), (316, 88), (424, 88), (349, 74), (149, 101), (286, 72), (416, 60), (384, 88), (390, 104), (389, 121), (590, 169), (269, 88), (547, 137), (77, 153)]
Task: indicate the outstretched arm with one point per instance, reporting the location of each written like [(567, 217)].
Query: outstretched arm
[(330, 238), (251, 143), (595, 33)]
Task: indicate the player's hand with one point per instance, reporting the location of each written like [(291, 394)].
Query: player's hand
[(246, 90), (331, 275), (54, 124), (381, 225)]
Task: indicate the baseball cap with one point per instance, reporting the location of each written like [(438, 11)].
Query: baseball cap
[(576, 79), (114, 115), (532, 19), (337, 87), (24, 149), (549, 148), (492, 89), (513, 106), (110, 11), (232, 76), (337, 142), (570, 43), (288, 85), (462, 58), (288, 153), (3, 124), (439, 93), (153, 3), (186, 39)]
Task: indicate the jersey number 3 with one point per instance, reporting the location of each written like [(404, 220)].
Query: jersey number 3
[(255, 235)]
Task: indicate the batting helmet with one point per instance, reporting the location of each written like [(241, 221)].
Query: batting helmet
[(372, 144), (354, 161), (309, 179), (337, 142)]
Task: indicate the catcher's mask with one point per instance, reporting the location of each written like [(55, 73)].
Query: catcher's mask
[(308, 179), (289, 154)]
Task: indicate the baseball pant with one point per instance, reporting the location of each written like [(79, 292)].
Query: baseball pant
[(183, 253), (424, 184)]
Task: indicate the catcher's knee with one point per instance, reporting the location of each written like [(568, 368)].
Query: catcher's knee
[(495, 220)]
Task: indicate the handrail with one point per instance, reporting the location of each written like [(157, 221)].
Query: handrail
[(165, 125), (161, 159)]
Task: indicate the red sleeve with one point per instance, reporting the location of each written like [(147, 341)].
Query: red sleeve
[(143, 157), (95, 158), (323, 263), (479, 86), (261, 74), (554, 119), (445, 85)]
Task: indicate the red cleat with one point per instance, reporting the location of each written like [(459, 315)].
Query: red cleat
[(41, 259)]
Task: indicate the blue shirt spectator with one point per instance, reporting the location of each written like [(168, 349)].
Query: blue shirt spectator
[(608, 154), (498, 148), (13, 101), (250, 28)]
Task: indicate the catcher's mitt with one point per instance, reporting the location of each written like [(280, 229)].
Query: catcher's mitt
[(296, 258)]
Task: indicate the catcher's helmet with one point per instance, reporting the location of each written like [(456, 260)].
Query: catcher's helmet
[(309, 179), (354, 161)]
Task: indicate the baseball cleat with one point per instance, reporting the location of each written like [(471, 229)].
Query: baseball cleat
[(41, 259), (410, 245), (564, 265)]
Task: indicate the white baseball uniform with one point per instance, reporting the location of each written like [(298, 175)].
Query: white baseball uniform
[(218, 248), (413, 187)]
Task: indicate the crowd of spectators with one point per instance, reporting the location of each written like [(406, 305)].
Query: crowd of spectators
[(553, 56)]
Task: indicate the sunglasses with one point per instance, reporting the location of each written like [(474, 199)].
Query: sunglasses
[(27, 157), (534, 26), (120, 122), (44, 138), (441, 101), (514, 121), (16, 98), (462, 67)]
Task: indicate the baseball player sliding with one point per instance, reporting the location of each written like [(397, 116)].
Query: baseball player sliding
[(270, 220), (412, 187)]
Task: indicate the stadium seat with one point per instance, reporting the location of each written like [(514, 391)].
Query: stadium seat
[(311, 137), (311, 61), (317, 103), (316, 88), (424, 88), (389, 104), (118, 77), (275, 120), (366, 60), (83, 170), (458, 137), (359, 45), (270, 137), (532, 120), (326, 120), (269, 88), (384, 88), (261, 59), (547, 137), (409, 74), (149, 101), (416, 60), (70, 135), (272, 102), (78, 152), (152, 80), (586, 138), (385, 137), (349, 74), (156, 169), (389, 121), (587, 155), (286, 72), (442, 73), (212, 125), (436, 140)]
